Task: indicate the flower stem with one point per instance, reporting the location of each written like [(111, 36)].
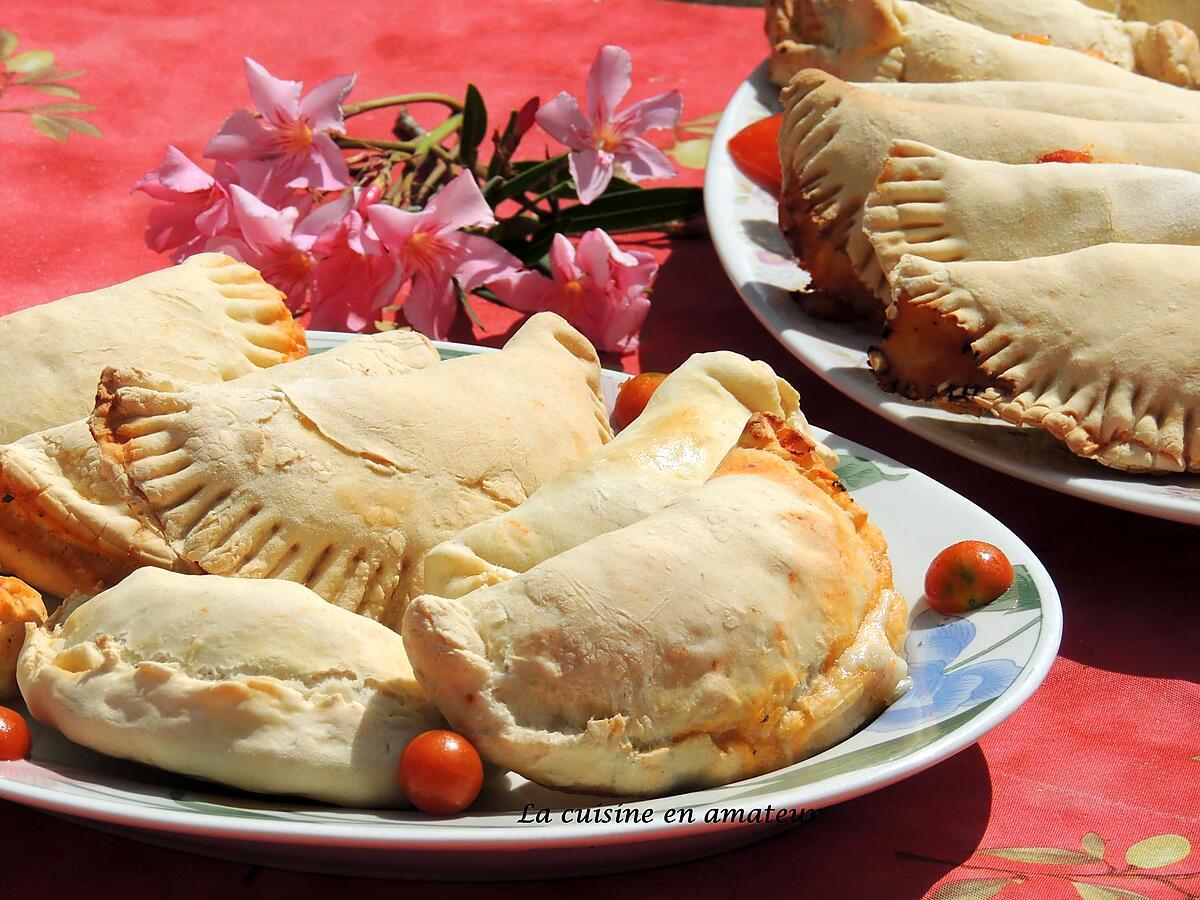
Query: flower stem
[(346, 141), (435, 136), (354, 109), (427, 186)]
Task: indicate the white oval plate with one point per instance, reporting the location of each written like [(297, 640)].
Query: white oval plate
[(969, 675), (742, 219)]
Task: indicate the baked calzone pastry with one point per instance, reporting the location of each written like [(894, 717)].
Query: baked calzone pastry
[(66, 530), (834, 144), (1169, 52), (1096, 346), (691, 422), (208, 319), (746, 625), (344, 486), (19, 603), (900, 40), (1084, 101), (945, 208), (256, 684), (1184, 11)]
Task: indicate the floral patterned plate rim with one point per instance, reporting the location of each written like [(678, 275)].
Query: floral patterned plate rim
[(969, 674), (742, 221)]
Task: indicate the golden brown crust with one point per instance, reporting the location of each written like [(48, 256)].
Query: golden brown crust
[(37, 549), (741, 629), (841, 295), (766, 432), (926, 354), (1082, 344), (19, 603)]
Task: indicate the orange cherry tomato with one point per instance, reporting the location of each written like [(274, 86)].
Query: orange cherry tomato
[(967, 575), (755, 149), (441, 772), (633, 396), (15, 741)]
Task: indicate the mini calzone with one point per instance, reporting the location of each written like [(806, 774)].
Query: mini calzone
[(1096, 346), (900, 40), (835, 141), (256, 684), (946, 208), (744, 626), (206, 320), (343, 486), (66, 530), (691, 422), (1169, 52), (1083, 101), (1185, 11)]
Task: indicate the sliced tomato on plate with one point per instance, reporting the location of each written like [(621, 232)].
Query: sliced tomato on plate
[(755, 150)]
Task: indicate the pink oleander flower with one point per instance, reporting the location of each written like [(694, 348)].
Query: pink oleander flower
[(600, 137), (279, 243), (433, 250), (292, 134), (356, 276), (198, 205), (599, 288)]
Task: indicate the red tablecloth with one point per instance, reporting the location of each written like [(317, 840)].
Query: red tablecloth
[(1111, 742)]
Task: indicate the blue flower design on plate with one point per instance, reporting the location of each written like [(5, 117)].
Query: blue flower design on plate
[(939, 688)]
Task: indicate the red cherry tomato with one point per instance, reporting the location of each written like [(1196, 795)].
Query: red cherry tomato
[(15, 741), (755, 149), (633, 396), (441, 772), (967, 575)]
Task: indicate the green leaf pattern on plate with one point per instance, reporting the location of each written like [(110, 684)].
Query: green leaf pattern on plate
[(855, 472)]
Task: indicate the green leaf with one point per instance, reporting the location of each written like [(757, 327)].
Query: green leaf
[(1158, 851), (36, 77), (466, 303), (971, 889), (474, 126), (1011, 636), (56, 90), (854, 472), (80, 125), (63, 107), (50, 126), (30, 61), (1092, 843), (514, 228), (1022, 595), (691, 154), (527, 177), (1104, 892), (8, 43), (530, 252), (1047, 855), (633, 210)]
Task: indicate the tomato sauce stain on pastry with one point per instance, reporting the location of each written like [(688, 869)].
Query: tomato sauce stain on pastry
[(1068, 156)]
